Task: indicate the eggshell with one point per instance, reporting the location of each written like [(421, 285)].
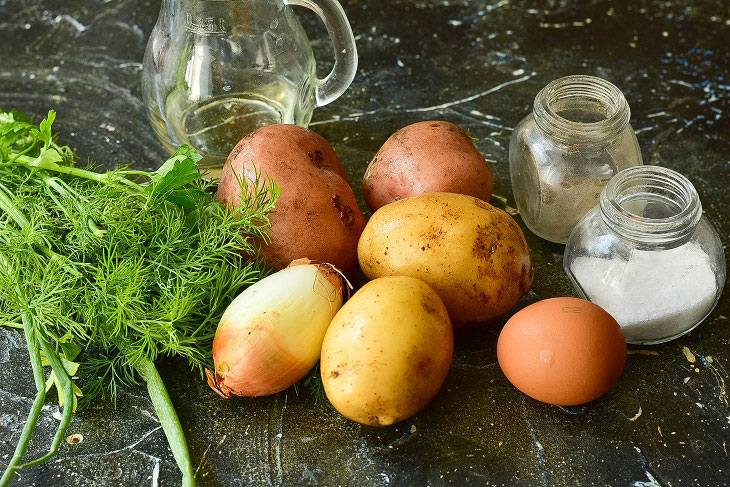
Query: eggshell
[(563, 351)]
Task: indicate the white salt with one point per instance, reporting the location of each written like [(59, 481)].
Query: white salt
[(655, 295)]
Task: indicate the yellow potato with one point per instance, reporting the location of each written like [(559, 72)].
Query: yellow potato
[(387, 351), (474, 255)]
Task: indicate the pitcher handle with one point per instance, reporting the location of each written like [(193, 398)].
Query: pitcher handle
[(334, 84)]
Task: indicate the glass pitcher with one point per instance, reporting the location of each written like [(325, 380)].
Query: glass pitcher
[(216, 70)]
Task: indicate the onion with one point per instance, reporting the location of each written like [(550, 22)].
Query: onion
[(271, 335)]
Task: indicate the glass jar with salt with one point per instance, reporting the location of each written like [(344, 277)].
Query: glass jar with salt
[(563, 154), (648, 256)]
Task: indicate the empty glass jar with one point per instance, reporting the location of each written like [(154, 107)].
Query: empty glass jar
[(563, 154), (647, 255)]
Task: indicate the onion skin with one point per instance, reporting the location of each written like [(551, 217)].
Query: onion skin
[(265, 367), (271, 335)]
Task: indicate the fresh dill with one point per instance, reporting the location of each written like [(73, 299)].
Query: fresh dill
[(129, 266), (313, 384)]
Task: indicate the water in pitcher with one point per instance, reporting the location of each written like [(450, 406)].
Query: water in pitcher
[(216, 124)]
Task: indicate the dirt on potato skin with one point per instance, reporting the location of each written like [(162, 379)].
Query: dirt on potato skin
[(317, 215), (426, 157), (480, 270)]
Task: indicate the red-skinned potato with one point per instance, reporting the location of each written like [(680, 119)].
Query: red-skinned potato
[(426, 157), (316, 216)]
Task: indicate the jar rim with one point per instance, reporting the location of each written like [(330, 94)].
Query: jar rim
[(600, 91), (651, 183)]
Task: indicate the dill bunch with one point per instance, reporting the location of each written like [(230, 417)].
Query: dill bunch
[(127, 265)]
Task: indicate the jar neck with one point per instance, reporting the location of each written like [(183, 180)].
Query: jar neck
[(581, 109), (651, 206)]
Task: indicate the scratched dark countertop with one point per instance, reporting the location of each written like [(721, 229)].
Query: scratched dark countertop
[(478, 64)]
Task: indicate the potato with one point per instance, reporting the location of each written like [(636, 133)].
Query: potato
[(317, 216), (387, 351), (426, 157), (474, 255)]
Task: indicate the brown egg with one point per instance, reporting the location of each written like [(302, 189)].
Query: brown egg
[(426, 157), (563, 351)]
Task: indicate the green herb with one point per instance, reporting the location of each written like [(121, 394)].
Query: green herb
[(468, 134), (129, 266), (313, 383)]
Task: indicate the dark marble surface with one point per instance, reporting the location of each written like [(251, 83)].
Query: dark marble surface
[(478, 64)]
